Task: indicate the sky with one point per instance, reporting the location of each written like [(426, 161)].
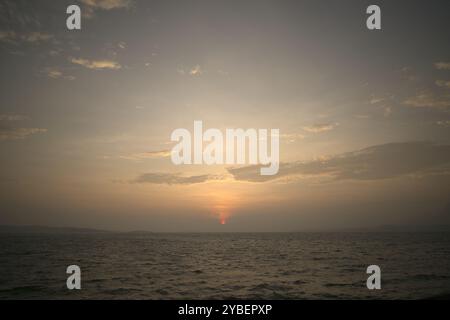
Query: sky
[(86, 115)]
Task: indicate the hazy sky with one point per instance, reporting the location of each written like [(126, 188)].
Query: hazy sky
[(86, 116)]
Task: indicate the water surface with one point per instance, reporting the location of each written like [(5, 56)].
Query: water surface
[(225, 265)]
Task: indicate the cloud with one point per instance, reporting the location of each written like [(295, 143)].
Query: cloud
[(96, 64), (373, 163), (320, 127), (428, 100), (7, 36), (387, 112), (12, 117), (37, 37), (55, 52), (18, 133), (376, 100), (442, 83), (171, 179), (444, 123), (147, 155), (292, 137), (55, 73), (442, 65), (408, 74), (30, 37), (196, 71), (92, 5), (107, 4), (9, 132)]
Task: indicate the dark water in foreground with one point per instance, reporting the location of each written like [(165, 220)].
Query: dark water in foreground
[(225, 266)]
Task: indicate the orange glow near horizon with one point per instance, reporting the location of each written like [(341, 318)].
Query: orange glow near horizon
[(221, 203), (223, 217)]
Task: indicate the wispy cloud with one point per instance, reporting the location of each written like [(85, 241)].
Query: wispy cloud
[(387, 111), (320, 127), (174, 179), (12, 117), (7, 36), (376, 100), (147, 155), (96, 64), (428, 100), (56, 73), (292, 137), (444, 123), (37, 37), (18, 133), (442, 65), (107, 4), (9, 131), (408, 73), (443, 83), (196, 71), (30, 37), (373, 163), (92, 5)]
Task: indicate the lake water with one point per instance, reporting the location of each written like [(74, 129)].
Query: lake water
[(225, 265)]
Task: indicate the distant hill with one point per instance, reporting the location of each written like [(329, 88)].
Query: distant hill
[(15, 229), (44, 229), (386, 228), (413, 228)]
